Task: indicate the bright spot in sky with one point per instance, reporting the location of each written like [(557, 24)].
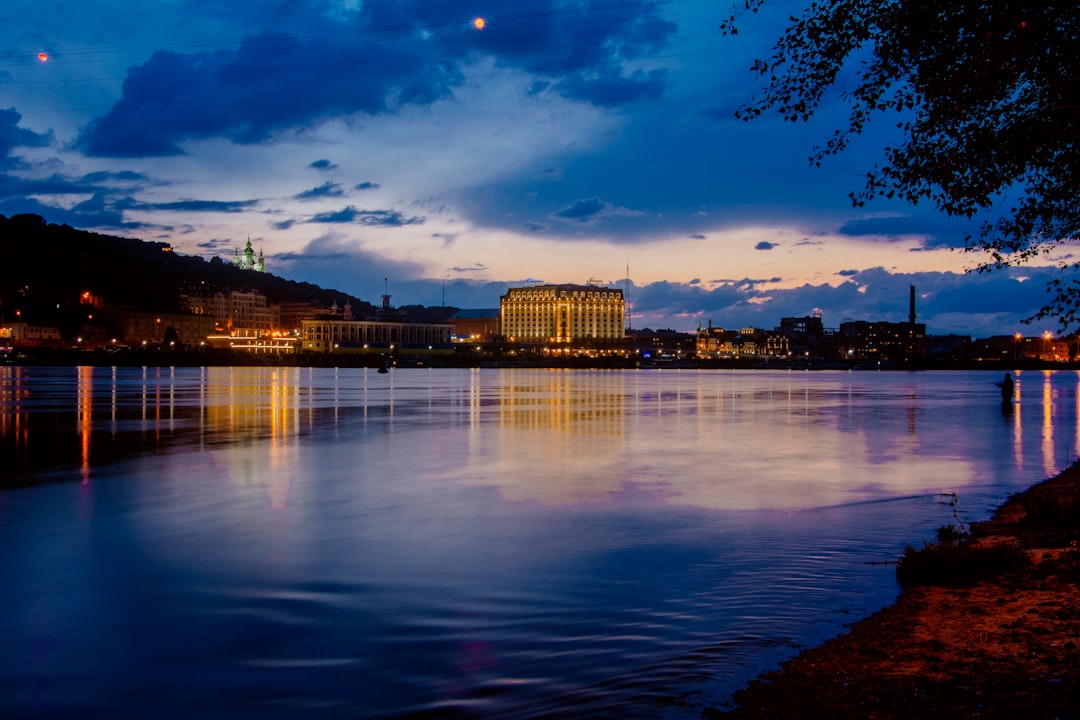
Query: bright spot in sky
[(479, 23), (42, 56)]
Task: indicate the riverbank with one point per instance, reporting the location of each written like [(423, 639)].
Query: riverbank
[(1005, 646)]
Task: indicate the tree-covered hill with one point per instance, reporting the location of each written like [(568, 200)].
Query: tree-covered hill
[(46, 268)]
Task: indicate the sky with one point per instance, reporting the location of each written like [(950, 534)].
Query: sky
[(396, 146)]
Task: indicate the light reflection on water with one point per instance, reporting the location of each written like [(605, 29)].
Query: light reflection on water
[(292, 542)]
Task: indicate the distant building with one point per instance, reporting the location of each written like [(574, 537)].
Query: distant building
[(476, 325), (232, 310), (289, 316), (896, 342), (807, 336), (747, 342), (246, 260), (24, 334), (563, 314), (157, 328), (883, 341), (327, 335)]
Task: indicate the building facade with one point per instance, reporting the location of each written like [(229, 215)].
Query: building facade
[(21, 333), (476, 325), (563, 314), (156, 328), (365, 335)]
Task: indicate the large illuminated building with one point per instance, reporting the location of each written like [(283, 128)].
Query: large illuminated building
[(563, 314)]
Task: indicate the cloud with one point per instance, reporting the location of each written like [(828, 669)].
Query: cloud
[(216, 244), (383, 58), (344, 264), (590, 209), (350, 214), (122, 176), (609, 88), (938, 229), (766, 245), (222, 206), (583, 210), (270, 83), (366, 186), (13, 136), (323, 164), (327, 190), (95, 212)]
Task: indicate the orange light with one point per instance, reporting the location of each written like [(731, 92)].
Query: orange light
[(479, 23), (43, 57)]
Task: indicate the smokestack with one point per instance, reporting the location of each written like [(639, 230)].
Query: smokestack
[(911, 316)]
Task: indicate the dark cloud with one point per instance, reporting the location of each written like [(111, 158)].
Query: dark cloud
[(95, 213), (350, 214), (366, 186), (697, 237), (13, 136), (386, 56), (327, 190), (222, 206), (938, 229), (123, 176), (583, 210), (847, 273), (472, 268), (323, 164), (216, 244), (766, 245), (269, 83), (608, 87), (533, 226)]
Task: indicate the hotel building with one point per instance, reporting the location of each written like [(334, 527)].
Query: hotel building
[(563, 314)]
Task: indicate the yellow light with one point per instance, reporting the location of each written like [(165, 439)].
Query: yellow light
[(43, 57), (479, 23)]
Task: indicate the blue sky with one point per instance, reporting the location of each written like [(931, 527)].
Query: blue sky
[(564, 142)]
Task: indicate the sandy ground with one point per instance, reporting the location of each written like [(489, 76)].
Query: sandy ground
[(1007, 647)]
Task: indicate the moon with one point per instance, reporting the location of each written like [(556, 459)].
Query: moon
[(479, 23)]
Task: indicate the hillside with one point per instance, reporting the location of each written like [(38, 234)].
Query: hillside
[(47, 267)]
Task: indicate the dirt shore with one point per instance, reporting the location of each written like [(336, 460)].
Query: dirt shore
[(1004, 646)]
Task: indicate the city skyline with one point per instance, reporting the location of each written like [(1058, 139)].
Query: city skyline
[(356, 142)]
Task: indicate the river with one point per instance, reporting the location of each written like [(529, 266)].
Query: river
[(455, 543)]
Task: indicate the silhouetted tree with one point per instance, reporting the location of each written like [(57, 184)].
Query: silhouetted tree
[(985, 94)]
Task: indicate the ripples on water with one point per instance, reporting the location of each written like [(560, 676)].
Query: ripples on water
[(242, 542)]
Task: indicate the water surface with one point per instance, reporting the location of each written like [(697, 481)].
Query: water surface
[(320, 543)]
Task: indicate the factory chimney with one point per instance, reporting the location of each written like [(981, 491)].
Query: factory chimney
[(911, 316)]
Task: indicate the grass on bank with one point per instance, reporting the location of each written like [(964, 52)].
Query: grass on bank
[(952, 561), (1054, 515)]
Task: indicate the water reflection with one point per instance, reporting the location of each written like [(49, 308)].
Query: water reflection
[(324, 543)]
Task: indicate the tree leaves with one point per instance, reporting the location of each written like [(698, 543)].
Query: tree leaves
[(988, 93)]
